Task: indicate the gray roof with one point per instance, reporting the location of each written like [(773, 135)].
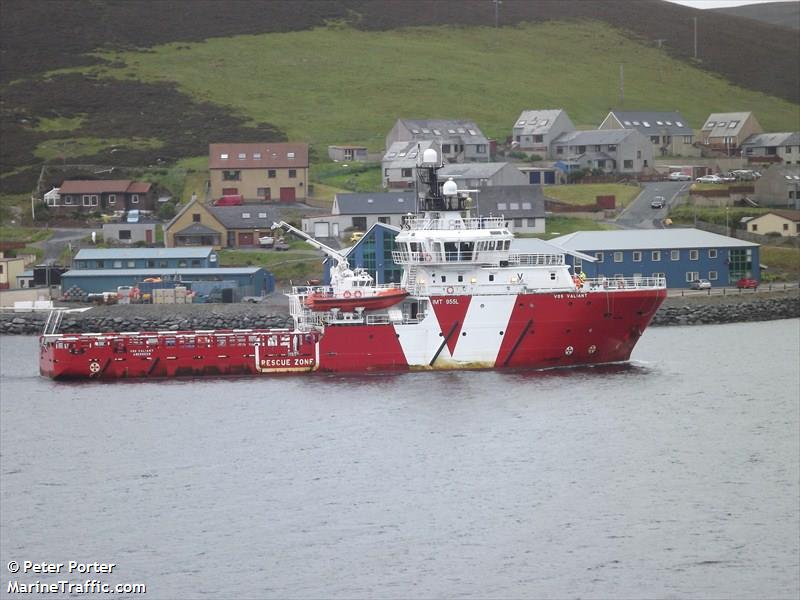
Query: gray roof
[(482, 170), (197, 229), (374, 203), (489, 197), (652, 122), (540, 246), (647, 239), (143, 253), (404, 154), (445, 129), (593, 137), (233, 217), (536, 121), (717, 130), (162, 271), (791, 138)]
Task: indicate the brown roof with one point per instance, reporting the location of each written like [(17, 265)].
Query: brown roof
[(792, 215), (257, 156), (104, 186)]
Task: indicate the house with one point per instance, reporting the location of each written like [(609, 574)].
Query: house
[(726, 132), (668, 132), (544, 174), (782, 222), (535, 130), (680, 255), (11, 269), (130, 233), (481, 175), (399, 163), (521, 205), (779, 186), (198, 224), (773, 147), (259, 172), (53, 197), (348, 153), (608, 150), (105, 196), (360, 211), (144, 258), (460, 140)]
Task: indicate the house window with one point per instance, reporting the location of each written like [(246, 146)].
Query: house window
[(692, 276), (612, 147), (445, 148), (271, 173), (655, 256), (256, 155), (617, 256), (694, 254), (559, 149), (242, 155), (712, 276), (687, 139), (654, 139), (264, 193), (100, 264), (135, 199), (195, 217), (659, 275), (513, 206), (117, 264), (405, 172), (627, 164), (387, 220), (230, 175), (517, 222), (638, 154), (674, 254), (712, 253), (86, 200), (151, 264), (599, 256), (112, 199), (491, 277), (182, 263), (223, 156), (124, 234), (577, 267), (755, 226), (360, 223), (526, 206), (131, 264), (195, 262), (292, 173), (637, 256), (538, 139)]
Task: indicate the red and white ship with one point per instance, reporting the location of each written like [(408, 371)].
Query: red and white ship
[(467, 300)]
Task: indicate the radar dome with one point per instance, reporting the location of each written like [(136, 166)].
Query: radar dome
[(430, 156), (450, 187)]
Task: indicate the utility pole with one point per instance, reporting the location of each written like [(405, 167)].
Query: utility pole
[(621, 85), (695, 38), (497, 4)]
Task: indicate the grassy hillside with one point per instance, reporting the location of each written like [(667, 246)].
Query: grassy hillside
[(346, 86)]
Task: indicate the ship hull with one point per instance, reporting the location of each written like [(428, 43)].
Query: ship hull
[(526, 331)]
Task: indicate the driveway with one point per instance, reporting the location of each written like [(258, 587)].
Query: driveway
[(61, 239), (639, 215)]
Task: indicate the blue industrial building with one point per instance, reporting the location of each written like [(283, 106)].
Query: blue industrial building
[(372, 252), (680, 255), (145, 258), (247, 281)]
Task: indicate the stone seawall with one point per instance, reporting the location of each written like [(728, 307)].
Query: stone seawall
[(693, 310)]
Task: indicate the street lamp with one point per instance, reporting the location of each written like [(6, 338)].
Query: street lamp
[(727, 227)]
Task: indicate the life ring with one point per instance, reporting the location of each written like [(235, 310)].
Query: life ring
[(94, 367), (428, 258), (347, 294), (450, 290), (357, 293)]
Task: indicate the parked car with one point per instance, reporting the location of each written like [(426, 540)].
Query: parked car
[(232, 200), (133, 216), (678, 176), (356, 235), (747, 283), (658, 202), (281, 245), (709, 179), (728, 177), (700, 284), (266, 241)]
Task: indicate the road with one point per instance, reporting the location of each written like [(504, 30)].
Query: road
[(639, 215), (60, 239)]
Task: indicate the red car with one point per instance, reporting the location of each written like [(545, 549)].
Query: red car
[(747, 283)]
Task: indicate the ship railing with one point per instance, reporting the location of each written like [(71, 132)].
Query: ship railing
[(449, 224), (611, 284), (498, 258)]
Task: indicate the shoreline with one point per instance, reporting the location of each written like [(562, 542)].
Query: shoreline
[(675, 311)]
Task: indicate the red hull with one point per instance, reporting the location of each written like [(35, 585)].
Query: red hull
[(543, 331)]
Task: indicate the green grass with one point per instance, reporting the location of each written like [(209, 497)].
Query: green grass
[(580, 194), (353, 95), (686, 214), (557, 226), (29, 235), (356, 177), (292, 265), (46, 124), (783, 263), (65, 148)]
